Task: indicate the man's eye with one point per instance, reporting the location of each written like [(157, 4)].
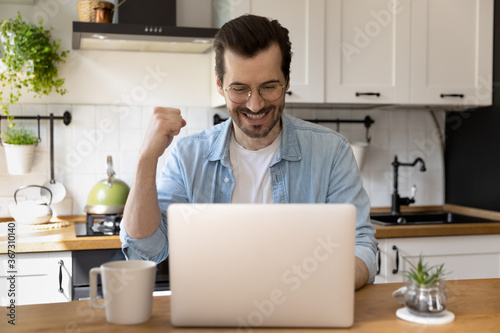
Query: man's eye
[(268, 88), (240, 90)]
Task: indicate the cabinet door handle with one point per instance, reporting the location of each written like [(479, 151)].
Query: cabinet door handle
[(289, 93), (378, 261), (61, 264), (452, 95), (367, 94), (395, 270)]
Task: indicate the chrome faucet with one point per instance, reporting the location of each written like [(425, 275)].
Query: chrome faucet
[(397, 201)]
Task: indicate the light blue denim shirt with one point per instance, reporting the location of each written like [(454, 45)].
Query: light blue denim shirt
[(314, 165)]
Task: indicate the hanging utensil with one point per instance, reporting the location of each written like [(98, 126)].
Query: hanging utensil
[(58, 190)]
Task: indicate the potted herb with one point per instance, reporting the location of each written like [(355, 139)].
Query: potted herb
[(29, 61), (425, 289), (19, 146)]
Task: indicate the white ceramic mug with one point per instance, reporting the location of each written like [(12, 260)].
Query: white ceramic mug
[(127, 290)]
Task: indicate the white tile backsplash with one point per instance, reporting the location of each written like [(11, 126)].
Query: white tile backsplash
[(130, 117), (97, 131)]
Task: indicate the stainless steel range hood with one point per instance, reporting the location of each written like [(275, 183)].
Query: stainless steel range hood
[(140, 37)]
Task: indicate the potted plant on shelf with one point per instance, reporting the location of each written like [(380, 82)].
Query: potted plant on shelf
[(29, 62), (425, 289)]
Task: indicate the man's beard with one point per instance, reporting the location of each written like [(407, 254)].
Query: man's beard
[(257, 131)]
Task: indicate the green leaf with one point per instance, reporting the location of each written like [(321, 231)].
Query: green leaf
[(422, 273), (19, 136), (31, 44)]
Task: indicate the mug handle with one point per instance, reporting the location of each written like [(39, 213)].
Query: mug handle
[(93, 288)]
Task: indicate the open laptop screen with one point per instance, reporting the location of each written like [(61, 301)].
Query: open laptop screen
[(262, 265)]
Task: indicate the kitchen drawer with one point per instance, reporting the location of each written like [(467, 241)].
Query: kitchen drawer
[(37, 278)]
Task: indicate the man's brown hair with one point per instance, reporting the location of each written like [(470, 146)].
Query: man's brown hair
[(249, 34)]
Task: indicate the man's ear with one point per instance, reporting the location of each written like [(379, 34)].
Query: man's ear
[(287, 83), (219, 85)]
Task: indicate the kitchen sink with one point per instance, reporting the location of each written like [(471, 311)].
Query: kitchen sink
[(424, 218)]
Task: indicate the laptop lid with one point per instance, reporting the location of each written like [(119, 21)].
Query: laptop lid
[(262, 265)]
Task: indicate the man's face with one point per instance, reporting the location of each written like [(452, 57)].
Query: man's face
[(256, 118)]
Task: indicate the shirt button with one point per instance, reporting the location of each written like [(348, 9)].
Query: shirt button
[(226, 180)]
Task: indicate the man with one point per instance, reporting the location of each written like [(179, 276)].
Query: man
[(260, 155)]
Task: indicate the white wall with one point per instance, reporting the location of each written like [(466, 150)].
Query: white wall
[(119, 88)]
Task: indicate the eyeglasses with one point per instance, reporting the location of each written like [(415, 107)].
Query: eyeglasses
[(240, 93)]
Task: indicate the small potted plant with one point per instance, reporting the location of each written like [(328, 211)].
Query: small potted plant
[(29, 61), (425, 289), (19, 146)]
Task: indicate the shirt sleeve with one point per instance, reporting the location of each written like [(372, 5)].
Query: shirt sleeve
[(154, 247), (346, 186)]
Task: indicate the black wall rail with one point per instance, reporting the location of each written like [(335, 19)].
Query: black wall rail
[(66, 118), (367, 121)]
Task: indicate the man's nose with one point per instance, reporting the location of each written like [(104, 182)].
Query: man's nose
[(255, 103)]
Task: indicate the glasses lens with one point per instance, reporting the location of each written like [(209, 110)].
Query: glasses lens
[(271, 92), (239, 94)]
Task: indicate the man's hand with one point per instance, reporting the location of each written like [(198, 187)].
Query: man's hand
[(164, 124)]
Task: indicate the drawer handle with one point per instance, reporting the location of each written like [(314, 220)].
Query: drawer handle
[(395, 270), (61, 264), (367, 94), (378, 261), (452, 95)]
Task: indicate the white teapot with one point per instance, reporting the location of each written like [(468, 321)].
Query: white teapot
[(31, 211)]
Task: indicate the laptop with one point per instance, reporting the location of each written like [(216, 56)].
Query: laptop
[(262, 265)]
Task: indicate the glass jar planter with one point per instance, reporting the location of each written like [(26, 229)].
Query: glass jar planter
[(426, 300)]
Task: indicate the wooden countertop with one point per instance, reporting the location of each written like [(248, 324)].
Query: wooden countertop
[(64, 239), (437, 230), (475, 303), (60, 239), (455, 229)]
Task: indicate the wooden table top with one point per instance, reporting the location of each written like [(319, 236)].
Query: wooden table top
[(475, 303)]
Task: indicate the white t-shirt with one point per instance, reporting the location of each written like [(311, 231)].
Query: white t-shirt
[(251, 172)]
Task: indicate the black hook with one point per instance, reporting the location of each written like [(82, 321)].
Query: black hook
[(368, 122)]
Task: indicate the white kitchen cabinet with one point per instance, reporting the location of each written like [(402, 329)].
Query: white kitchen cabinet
[(305, 20), (424, 52), (452, 50), (367, 51), (465, 257), (37, 278)]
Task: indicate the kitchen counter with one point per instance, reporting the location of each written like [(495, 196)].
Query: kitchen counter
[(452, 229), (475, 303), (456, 229), (64, 239), (59, 239)]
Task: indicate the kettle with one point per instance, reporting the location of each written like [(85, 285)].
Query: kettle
[(109, 195), (31, 211)]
